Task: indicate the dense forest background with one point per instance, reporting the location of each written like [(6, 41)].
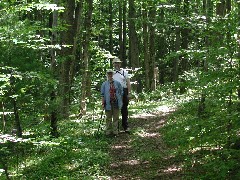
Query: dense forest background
[(54, 54)]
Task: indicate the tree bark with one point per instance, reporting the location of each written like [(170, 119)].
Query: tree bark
[(67, 43), (221, 8), (124, 35), (208, 11), (77, 45), (53, 24), (177, 46), (184, 33), (146, 47), (120, 31), (17, 120), (133, 54), (86, 42), (162, 50), (110, 26), (238, 51), (152, 56)]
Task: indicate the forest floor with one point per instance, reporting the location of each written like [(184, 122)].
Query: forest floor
[(142, 154)]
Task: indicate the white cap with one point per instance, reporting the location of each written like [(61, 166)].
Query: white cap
[(110, 71), (116, 60)]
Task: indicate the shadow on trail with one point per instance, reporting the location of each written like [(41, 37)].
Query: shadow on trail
[(142, 153)]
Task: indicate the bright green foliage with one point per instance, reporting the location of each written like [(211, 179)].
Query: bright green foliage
[(202, 133), (75, 155), (202, 142)]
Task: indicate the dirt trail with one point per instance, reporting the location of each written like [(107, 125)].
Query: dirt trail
[(142, 154)]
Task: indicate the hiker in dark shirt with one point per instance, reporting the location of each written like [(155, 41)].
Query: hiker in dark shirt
[(121, 75)]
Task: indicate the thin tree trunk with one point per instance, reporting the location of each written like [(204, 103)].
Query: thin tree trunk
[(68, 40), (124, 35), (152, 56), (5, 168), (3, 117), (17, 124), (133, 39), (184, 33), (228, 5), (201, 109), (238, 53), (77, 39), (53, 67), (176, 60), (221, 8), (86, 76), (17, 119), (146, 47), (162, 46), (177, 46), (111, 26), (120, 32)]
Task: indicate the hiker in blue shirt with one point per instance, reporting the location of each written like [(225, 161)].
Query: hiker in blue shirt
[(111, 92)]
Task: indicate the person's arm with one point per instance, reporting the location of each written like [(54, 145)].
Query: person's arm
[(129, 86), (127, 81), (103, 103), (102, 94)]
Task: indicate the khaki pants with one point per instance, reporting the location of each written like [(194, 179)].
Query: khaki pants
[(112, 121)]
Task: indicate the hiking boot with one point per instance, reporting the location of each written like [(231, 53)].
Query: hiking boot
[(127, 130)]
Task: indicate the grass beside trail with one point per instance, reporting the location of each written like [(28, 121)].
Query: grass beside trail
[(83, 152), (164, 143)]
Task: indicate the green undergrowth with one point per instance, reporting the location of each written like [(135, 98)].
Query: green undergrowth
[(201, 146), (206, 143), (77, 154)]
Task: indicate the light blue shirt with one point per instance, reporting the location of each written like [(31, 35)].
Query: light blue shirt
[(106, 94)]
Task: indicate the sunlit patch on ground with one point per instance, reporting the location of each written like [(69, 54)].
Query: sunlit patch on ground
[(172, 169), (132, 162), (121, 147), (164, 109), (160, 110), (146, 134), (143, 116)]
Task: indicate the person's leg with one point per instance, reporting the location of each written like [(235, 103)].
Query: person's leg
[(115, 120), (124, 110), (108, 122)]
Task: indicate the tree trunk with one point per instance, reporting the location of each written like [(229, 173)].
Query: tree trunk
[(221, 8), (177, 47), (86, 77), (111, 26), (4, 165), (162, 47), (77, 39), (17, 123), (184, 33), (3, 117), (238, 53), (152, 36), (201, 109), (146, 48), (176, 60), (67, 42), (53, 24), (228, 6), (124, 35), (133, 55), (120, 31)]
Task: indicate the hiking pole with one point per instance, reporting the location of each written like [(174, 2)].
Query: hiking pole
[(101, 120)]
